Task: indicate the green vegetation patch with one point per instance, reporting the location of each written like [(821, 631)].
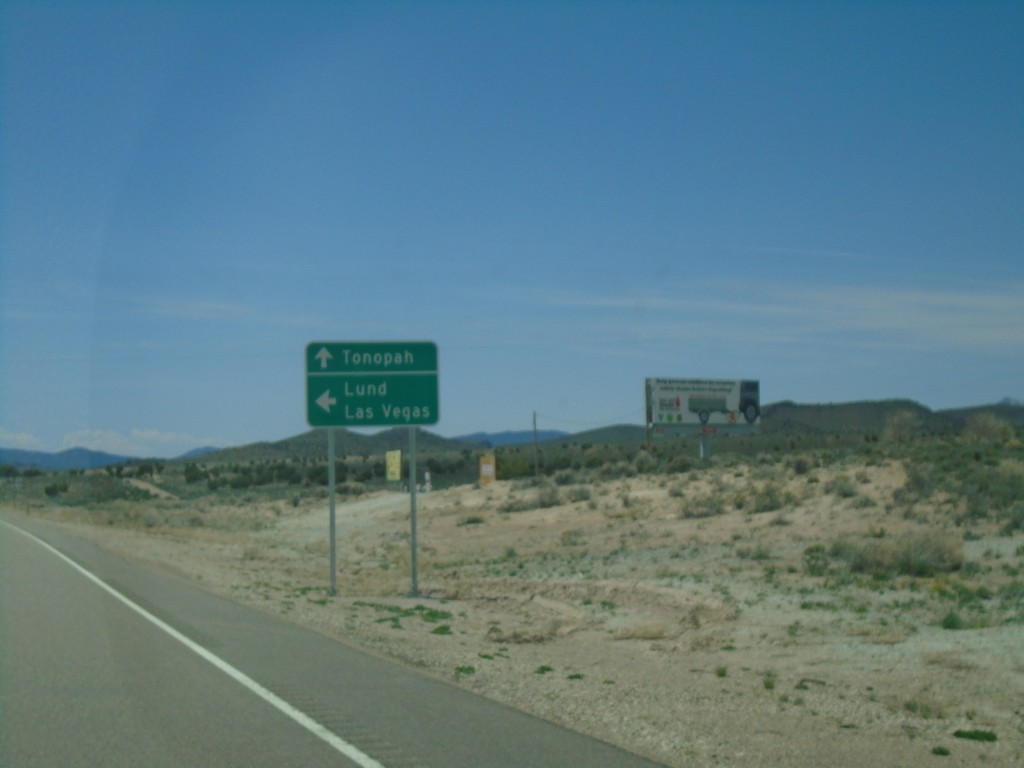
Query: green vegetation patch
[(395, 614), (975, 735)]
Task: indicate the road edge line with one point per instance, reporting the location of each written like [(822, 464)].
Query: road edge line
[(350, 751)]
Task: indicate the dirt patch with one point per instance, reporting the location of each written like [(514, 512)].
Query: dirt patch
[(157, 491), (699, 620)]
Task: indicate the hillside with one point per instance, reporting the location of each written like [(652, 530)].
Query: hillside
[(784, 418), (520, 437), (615, 435), (873, 417), (313, 445)]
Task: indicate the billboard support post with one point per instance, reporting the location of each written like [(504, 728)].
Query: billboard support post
[(647, 413)]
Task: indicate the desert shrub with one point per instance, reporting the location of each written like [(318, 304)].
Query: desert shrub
[(706, 506), (680, 464), (816, 560), (976, 735), (758, 552), (317, 474), (901, 427), (841, 485), (548, 496), (597, 456), (921, 482), (564, 477), (913, 554), (645, 463), (991, 492), (1014, 521), (986, 427), (545, 496), (768, 498), (55, 489), (552, 462), (511, 463), (145, 470), (193, 474), (618, 469), (364, 474), (579, 493), (801, 466), (571, 538), (953, 621)]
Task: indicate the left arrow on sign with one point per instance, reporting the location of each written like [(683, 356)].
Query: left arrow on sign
[(323, 356), (325, 401)]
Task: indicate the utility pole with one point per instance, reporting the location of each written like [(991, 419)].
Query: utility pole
[(536, 453)]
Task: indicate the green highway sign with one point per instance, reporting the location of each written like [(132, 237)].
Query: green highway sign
[(371, 383)]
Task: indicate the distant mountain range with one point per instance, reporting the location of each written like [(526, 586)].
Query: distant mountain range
[(196, 453), (73, 458), (76, 458), (778, 418)]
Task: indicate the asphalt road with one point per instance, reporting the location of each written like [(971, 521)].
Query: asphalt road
[(144, 669)]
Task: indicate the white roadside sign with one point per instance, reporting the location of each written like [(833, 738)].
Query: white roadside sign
[(714, 402)]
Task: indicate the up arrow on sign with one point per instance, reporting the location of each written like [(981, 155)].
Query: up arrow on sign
[(324, 357)]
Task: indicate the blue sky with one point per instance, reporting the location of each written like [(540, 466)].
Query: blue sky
[(567, 197)]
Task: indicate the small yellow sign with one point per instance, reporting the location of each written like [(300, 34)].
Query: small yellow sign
[(393, 459), (488, 473)]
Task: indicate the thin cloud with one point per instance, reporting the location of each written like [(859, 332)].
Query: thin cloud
[(21, 440), (991, 319), (223, 311), (139, 442)]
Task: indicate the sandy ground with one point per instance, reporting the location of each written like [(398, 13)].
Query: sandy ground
[(622, 612)]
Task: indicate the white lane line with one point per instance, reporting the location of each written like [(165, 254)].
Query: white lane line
[(352, 753)]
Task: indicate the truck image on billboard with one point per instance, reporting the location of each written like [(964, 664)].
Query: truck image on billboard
[(703, 401)]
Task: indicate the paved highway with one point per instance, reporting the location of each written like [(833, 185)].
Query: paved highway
[(103, 662)]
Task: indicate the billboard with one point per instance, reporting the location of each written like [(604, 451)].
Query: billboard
[(703, 402)]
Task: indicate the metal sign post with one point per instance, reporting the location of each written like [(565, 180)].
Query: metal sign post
[(412, 509), (332, 538)]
